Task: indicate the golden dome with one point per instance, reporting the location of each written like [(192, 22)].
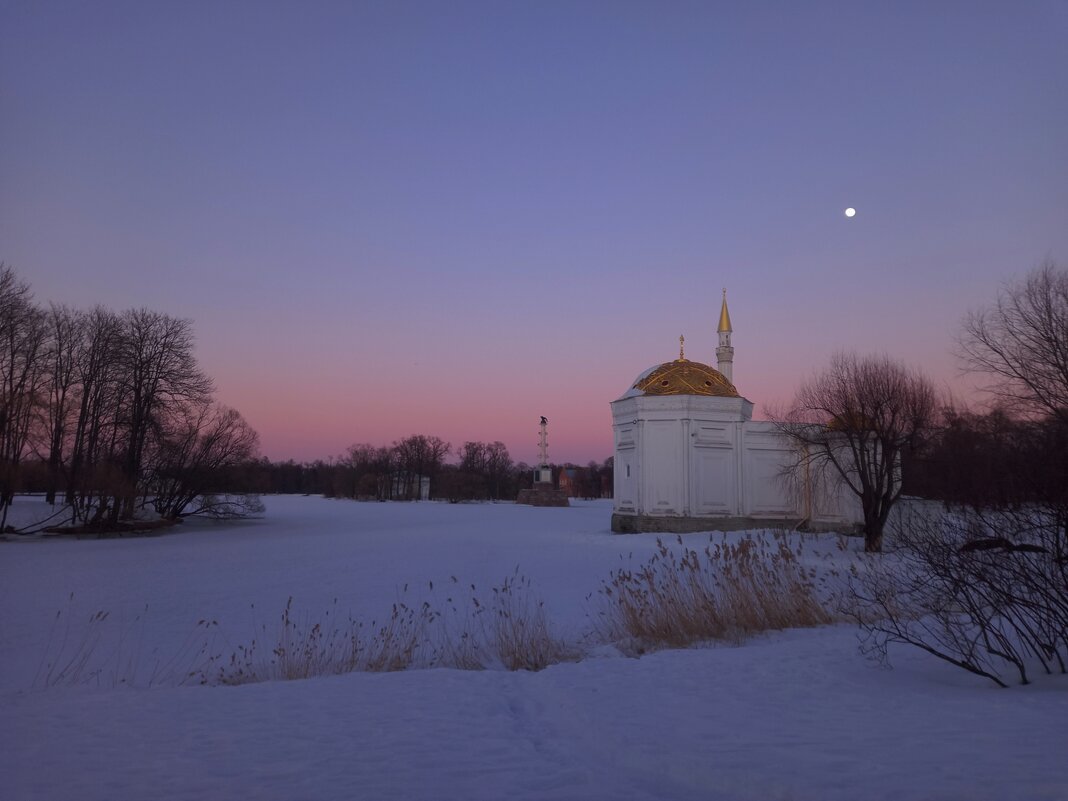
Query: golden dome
[(683, 377)]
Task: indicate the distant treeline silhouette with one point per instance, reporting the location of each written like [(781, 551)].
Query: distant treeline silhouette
[(414, 468)]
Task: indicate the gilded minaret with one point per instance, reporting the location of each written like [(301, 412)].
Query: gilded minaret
[(725, 353)]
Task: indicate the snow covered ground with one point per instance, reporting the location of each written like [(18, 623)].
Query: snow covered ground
[(796, 715)]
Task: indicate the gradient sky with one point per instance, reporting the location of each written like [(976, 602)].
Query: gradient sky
[(450, 218)]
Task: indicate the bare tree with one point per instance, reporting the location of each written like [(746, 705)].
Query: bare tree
[(363, 472), (188, 469), (471, 481), (473, 458), (159, 370), (94, 450), (852, 424), (419, 456), (1021, 343), (498, 468), (61, 381), (484, 470), (22, 342)]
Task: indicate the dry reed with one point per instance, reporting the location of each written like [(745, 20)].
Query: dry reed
[(728, 591)]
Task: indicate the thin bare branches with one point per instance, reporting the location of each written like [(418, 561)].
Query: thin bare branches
[(1021, 343), (852, 423)]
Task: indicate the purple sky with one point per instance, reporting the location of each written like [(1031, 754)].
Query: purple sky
[(451, 218)]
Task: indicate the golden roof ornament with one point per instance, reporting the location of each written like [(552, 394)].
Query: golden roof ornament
[(724, 315)]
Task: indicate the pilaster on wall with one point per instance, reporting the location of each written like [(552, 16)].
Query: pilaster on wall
[(687, 465)]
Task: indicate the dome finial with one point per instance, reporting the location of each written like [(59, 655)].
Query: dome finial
[(682, 348)]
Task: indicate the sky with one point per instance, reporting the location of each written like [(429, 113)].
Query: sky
[(453, 218)]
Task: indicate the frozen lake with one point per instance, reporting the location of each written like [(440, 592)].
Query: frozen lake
[(792, 715)]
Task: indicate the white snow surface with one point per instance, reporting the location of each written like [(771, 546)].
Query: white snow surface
[(794, 715), (633, 391)]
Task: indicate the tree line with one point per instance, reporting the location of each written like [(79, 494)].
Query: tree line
[(112, 410), (476, 471)]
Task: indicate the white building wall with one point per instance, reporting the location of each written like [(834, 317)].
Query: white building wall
[(700, 456), (662, 463), (766, 455), (625, 468), (714, 473)]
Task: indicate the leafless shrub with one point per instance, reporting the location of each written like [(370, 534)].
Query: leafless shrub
[(983, 592), (728, 591)]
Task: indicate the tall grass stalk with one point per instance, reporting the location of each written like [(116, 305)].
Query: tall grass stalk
[(520, 632), (303, 647), (727, 591)]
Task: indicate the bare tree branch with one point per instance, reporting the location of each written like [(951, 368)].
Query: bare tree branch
[(853, 423)]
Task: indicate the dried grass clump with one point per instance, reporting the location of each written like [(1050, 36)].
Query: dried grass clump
[(520, 634), (69, 660), (728, 591), (105, 650), (304, 648), (512, 631)]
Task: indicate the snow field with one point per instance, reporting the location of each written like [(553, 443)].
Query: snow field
[(793, 715)]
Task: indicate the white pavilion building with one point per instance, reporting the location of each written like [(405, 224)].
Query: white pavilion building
[(689, 457)]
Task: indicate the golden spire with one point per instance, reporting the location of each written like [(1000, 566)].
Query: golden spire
[(682, 348), (724, 315)]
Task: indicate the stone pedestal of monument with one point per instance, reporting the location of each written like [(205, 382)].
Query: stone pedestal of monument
[(542, 494)]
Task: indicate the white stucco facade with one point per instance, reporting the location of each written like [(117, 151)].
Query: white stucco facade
[(689, 457), (688, 462)]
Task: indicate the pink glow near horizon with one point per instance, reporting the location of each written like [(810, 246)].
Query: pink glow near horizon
[(322, 415), (451, 220)]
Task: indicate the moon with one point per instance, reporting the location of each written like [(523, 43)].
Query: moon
[(850, 212)]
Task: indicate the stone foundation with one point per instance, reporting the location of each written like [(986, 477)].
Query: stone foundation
[(638, 524), (542, 494)]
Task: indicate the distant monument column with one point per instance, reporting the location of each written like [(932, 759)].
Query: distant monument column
[(544, 473), (542, 493)]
